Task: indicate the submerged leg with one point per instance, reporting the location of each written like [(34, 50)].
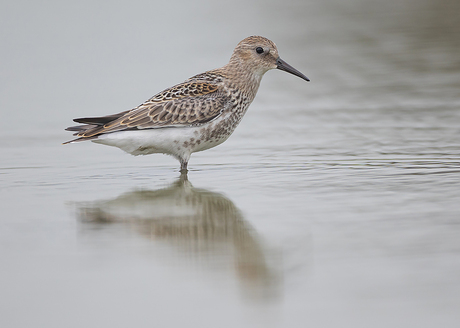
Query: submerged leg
[(183, 159), (183, 166)]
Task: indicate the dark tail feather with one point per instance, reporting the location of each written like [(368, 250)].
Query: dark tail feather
[(99, 120), (90, 123), (81, 127)]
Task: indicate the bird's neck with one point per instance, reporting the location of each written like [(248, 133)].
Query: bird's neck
[(242, 77)]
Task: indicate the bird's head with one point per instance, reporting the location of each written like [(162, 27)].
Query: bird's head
[(259, 55)]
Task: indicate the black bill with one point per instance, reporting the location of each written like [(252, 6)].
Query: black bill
[(282, 65)]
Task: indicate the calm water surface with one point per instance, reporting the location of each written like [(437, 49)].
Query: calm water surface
[(336, 203)]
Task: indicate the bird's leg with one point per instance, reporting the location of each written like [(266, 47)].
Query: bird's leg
[(183, 167)]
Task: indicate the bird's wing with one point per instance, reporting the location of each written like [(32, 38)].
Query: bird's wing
[(188, 103)]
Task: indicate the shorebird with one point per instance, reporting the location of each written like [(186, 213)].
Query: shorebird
[(195, 115)]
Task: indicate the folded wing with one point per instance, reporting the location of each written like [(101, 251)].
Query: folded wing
[(189, 103)]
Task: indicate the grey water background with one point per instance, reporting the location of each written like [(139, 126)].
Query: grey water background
[(336, 203)]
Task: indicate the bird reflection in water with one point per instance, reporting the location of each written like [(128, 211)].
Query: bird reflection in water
[(198, 223)]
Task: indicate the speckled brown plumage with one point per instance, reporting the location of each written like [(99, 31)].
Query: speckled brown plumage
[(204, 109)]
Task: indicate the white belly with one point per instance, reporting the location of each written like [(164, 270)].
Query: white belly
[(177, 141)]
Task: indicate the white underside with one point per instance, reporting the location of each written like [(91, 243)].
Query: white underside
[(179, 142)]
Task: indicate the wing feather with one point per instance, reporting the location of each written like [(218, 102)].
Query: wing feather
[(189, 103)]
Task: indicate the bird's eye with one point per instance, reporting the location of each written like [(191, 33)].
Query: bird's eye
[(260, 50)]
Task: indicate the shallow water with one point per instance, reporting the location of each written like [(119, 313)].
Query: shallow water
[(334, 204)]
